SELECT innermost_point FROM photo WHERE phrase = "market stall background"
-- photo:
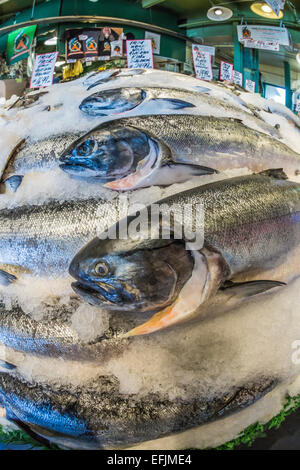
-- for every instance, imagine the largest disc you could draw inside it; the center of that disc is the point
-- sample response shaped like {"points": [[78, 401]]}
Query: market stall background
{"points": [[276, 73]]}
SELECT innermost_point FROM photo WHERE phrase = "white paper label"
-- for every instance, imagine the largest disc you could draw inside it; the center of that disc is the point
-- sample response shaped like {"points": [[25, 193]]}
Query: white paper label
{"points": [[43, 70], [202, 64], [250, 86], [226, 71], [237, 78], [155, 38], [139, 54], [116, 48]]}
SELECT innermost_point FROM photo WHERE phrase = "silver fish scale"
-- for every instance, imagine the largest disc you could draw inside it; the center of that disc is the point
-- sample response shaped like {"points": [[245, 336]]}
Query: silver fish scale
{"points": [[44, 239], [202, 98], [98, 414], [252, 221], [54, 335], [191, 138], [38, 156]]}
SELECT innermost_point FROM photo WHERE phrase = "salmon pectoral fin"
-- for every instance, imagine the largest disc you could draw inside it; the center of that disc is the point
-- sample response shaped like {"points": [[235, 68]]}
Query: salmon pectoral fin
{"points": [[276, 173], [159, 321], [247, 289], [9, 273], [172, 103], [6, 278], [7, 365], [201, 285], [13, 182], [173, 172]]}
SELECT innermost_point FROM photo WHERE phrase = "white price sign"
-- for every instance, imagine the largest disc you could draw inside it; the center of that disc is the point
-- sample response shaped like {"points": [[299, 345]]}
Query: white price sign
{"points": [[226, 71], [250, 86], [43, 70], [202, 64], [139, 54], [237, 78]]}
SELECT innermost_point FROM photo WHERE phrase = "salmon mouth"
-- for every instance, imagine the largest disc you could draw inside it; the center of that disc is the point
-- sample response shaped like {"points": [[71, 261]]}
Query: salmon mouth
{"points": [[89, 294], [108, 296]]}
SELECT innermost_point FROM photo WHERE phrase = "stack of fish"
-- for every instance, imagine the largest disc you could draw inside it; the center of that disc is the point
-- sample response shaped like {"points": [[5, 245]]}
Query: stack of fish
{"points": [[187, 138]]}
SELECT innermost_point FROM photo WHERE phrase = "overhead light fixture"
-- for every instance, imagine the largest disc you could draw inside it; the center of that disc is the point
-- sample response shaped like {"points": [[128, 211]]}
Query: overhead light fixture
{"points": [[219, 13], [266, 9], [263, 9], [94, 1], [298, 57], [51, 41]]}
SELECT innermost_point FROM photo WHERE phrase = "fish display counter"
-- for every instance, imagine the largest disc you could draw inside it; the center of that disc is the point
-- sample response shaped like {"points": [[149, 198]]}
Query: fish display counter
{"points": [[149, 261]]}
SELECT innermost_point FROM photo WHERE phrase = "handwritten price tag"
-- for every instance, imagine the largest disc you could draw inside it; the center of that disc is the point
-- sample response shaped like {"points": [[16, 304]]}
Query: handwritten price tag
{"points": [[43, 70], [250, 86], [202, 63], [237, 78], [226, 71], [139, 54]]}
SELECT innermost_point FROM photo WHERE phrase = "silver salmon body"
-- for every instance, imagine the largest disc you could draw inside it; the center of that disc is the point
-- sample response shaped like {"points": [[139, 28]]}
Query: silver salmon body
{"points": [[42, 239], [97, 415], [30, 156], [55, 336], [159, 100], [251, 226], [163, 149]]}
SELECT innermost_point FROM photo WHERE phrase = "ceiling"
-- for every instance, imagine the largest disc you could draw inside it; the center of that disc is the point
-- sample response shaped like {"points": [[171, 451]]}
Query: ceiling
{"points": [[190, 6], [10, 7]]}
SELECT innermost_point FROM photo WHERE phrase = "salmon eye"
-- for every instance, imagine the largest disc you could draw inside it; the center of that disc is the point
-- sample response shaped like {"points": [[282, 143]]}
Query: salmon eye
{"points": [[87, 147], [101, 269]]}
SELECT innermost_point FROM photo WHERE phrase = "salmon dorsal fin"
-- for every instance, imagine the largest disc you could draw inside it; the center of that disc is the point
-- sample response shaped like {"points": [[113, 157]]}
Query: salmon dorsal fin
{"points": [[276, 173]]}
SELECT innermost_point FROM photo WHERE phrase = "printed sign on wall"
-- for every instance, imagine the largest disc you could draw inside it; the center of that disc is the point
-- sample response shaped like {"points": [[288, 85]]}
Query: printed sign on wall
{"points": [[237, 78], [19, 43], [139, 54], [272, 34], [43, 70], [155, 38], [202, 63], [106, 37], [92, 43], [250, 86], [116, 48], [226, 71]]}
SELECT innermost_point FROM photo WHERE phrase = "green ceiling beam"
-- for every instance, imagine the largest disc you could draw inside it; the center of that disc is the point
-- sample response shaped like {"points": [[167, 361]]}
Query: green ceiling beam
{"points": [[199, 22], [151, 3], [213, 29]]}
